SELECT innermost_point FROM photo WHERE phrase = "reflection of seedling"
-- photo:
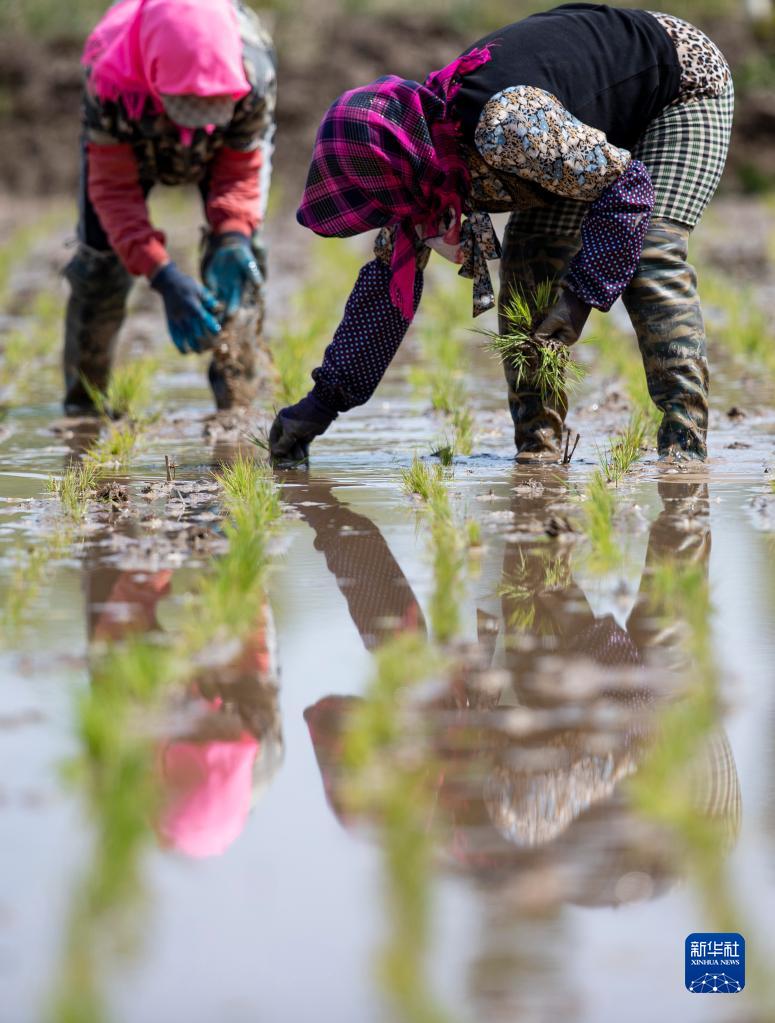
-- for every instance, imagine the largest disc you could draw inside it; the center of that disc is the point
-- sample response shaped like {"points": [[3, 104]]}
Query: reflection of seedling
{"points": [[598, 517], [128, 392], [546, 366], [541, 571], [390, 784]]}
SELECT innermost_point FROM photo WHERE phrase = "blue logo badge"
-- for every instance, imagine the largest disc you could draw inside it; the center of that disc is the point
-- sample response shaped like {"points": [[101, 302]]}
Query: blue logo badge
{"points": [[715, 964]]}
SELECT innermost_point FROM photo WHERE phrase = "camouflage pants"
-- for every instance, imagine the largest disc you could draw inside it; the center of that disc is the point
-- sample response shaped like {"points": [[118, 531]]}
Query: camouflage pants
{"points": [[664, 309], [99, 287]]}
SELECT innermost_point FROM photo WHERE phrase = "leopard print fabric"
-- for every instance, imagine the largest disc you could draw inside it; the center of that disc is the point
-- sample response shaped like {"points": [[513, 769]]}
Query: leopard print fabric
{"points": [[527, 132], [704, 71]]}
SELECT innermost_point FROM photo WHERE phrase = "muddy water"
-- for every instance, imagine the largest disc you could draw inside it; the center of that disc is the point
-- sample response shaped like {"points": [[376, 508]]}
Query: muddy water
{"points": [[550, 894]]}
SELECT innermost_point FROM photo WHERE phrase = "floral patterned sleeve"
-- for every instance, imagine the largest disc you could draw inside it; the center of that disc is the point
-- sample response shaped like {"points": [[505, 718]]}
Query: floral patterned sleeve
{"points": [[528, 132]]}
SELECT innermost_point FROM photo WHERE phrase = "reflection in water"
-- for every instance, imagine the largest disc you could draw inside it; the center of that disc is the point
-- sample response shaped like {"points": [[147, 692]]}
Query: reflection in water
{"points": [[379, 598], [223, 740], [178, 733], [521, 784]]}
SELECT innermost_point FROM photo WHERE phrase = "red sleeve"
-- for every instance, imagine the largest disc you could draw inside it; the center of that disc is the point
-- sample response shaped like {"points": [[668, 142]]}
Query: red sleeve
{"points": [[233, 203], [115, 192]]}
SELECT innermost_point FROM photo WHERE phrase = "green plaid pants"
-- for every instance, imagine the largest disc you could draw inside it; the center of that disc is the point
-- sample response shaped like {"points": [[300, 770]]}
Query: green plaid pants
{"points": [[685, 150]]}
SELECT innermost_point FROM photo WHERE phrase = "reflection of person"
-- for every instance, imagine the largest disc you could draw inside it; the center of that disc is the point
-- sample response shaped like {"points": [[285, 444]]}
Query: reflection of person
{"points": [[223, 742], [379, 598], [177, 91], [543, 789], [603, 131], [226, 751]]}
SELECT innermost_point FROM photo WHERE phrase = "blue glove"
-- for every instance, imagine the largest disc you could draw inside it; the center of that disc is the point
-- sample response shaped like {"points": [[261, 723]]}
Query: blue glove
{"points": [[232, 269], [189, 308]]}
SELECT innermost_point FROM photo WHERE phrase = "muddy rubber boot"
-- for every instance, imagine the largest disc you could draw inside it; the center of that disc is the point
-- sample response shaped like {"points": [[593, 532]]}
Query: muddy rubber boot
{"points": [[533, 254], [538, 427], [99, 286], [242, 366], [664, 308]]}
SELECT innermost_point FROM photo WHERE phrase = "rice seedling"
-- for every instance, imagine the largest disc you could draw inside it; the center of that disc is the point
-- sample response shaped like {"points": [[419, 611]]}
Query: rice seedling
{"points": [[249, 487], [463, 427], [74, 488], [445, 452], [546, 365], [115, 449], [624, 451], [423, 480], [128, 392], [473, 533]]}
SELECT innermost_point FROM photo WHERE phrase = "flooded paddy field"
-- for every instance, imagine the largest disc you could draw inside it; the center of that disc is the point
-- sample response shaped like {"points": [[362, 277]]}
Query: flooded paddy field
{"points": [[384, 738]]}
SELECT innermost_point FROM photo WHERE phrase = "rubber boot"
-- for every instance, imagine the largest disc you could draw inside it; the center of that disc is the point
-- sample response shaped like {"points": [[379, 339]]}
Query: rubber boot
{"points": [[99, 286], [529, 257], [664, 309]]}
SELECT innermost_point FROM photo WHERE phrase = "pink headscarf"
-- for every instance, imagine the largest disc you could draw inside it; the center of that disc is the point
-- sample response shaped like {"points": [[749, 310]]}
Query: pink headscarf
{"points": [[143, 49]]}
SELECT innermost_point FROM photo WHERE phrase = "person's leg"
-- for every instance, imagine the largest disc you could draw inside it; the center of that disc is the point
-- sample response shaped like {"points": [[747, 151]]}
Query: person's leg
{"points": [[664, 308], [684, 149], [536, 247], [99, 286]]}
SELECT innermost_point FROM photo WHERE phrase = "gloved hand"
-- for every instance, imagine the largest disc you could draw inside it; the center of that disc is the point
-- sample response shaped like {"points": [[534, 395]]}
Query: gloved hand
{"points": [[232, 268], [189, 308], [565, 320], [295, 427]]}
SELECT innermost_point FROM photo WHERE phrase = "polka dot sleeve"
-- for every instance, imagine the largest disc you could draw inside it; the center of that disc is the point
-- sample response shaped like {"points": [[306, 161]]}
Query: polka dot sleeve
{"points": [[612, 235], [365, 341]]}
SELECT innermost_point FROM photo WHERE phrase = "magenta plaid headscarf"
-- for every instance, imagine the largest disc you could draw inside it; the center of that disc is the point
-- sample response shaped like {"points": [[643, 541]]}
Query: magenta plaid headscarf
{"points": [[385, 154]]}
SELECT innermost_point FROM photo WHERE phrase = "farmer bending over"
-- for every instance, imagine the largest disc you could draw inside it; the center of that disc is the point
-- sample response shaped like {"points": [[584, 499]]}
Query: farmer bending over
{"points": [[176, 91], [602, 131]]}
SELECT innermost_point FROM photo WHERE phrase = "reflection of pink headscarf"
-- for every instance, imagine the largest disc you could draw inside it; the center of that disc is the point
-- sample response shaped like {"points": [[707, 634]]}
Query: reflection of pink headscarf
{"points": [[211, 787], [143, 49]]}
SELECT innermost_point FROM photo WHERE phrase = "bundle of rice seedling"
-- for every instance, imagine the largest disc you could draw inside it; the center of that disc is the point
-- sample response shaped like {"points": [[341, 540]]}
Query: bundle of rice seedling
{"points": [[544, 364]]}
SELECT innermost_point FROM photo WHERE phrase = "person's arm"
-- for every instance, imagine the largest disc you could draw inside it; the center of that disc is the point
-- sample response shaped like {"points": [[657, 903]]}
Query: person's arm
{"points": [[355, 361], [117, 196], [526, 131], [234, 196]]}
